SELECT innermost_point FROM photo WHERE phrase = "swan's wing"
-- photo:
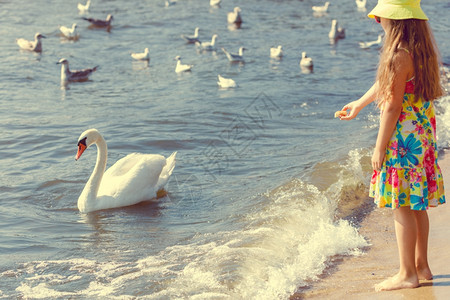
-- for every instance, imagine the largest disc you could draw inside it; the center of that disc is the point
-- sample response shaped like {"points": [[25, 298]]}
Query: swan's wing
{"points": [[166, 171], [133, 178]]}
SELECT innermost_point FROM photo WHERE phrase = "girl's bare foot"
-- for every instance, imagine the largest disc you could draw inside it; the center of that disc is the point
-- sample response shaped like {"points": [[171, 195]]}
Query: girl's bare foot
{"points": [[397, 282], [424, 274]]}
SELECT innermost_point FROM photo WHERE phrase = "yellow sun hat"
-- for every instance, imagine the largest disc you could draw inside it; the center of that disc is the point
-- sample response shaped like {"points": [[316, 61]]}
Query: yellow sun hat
{"points": [[398, 10]]}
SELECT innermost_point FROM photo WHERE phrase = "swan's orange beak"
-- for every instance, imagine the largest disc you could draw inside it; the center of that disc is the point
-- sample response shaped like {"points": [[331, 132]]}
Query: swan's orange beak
{"points": [[81, 148]]}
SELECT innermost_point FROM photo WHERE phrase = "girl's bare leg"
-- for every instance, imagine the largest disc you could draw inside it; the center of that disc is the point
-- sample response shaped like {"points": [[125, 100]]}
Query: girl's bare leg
{"points": [[406, 233], [423, 227]]}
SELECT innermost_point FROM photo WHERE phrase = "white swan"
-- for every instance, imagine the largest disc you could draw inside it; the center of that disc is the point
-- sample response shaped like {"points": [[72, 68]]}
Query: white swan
{"points": [[225, 82], [234, 16], [141, 56], [306, 62], [235, 57], [335, 31], [192, 38], [208, 46], [35, 45], [365, 45], [70, 33], [180, 67], [321, 9], [135, 178], [276, 52]]}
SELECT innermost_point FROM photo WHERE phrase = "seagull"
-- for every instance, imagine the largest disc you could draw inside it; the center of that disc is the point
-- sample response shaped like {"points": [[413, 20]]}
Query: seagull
{"points": [[170, 3], [35, 45], [100, 23], [361, 4], [226, 82], [321, 9], [78, 75], [180, 67], [192, 38], [214, 2], [85, 7], [306, 62], [234, 16], [141, 56], [335, 31], [366, 45], [235, 57], [69, 33], [208, 46], [276, 52]]}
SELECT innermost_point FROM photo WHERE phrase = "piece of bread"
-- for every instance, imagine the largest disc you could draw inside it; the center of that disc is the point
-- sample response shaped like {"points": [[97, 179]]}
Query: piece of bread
{"points": [[340, 113]]}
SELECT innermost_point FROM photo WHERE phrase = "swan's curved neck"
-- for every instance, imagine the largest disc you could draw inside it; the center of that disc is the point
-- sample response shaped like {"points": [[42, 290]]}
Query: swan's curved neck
{"points": [[90, 190]]}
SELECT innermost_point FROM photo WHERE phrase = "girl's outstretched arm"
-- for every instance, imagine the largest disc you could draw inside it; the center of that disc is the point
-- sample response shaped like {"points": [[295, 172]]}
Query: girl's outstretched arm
{"points": [[356, 106], [392, 107]]}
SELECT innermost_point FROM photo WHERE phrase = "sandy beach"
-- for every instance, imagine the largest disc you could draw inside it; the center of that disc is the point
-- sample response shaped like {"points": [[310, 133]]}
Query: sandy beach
{"points": [[355, 277]]}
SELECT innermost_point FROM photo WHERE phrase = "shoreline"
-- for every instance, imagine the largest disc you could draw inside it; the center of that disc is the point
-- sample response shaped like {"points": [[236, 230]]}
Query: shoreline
{"points": [[355, 276]]}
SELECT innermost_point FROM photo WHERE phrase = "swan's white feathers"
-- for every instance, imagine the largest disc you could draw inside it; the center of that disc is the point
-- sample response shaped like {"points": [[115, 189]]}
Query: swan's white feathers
{"points": [[166, 171], [135, 178], [132, 176]]}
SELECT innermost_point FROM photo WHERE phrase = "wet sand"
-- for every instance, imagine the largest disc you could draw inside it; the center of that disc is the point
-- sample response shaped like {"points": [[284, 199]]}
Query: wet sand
{"points": [[355, 277]]}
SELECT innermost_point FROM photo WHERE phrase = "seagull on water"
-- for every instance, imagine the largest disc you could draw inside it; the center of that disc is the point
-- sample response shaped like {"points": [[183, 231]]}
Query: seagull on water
{"points": [[77, 75], [69, 33], [377, 42], [235, 57], [214, 2], [208, 46], [306, 62], [192, 38], [169, 3], [35, 45], [84, 7], [225, 82], [100, 23], [335, 31], [180, 67], [276, 52], [321, 9], [361, 4], [141, 56], [234, 16]]}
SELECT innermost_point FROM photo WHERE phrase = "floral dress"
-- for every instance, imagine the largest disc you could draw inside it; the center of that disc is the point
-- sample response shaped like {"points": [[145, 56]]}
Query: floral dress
{"points": [[410, 175]]}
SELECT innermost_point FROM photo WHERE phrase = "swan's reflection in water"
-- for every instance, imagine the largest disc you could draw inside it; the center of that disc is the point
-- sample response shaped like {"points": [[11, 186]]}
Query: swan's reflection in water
{"points": [[112, 228]]}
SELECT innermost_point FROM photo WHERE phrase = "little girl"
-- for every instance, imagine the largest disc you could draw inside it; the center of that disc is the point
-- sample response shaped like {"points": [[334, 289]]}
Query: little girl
{"points": [[406, 175]]}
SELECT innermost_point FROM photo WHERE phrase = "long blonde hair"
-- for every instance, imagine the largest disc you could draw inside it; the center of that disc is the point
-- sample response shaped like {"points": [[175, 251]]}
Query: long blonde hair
{"points": [[418, 37]]}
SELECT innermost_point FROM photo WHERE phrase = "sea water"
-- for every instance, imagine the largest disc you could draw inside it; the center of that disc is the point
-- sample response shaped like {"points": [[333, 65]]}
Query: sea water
{"points": [[268, 188]]}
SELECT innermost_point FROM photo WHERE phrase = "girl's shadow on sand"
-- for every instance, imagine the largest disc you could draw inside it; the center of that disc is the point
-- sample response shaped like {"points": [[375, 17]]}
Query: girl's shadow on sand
{"points": [[436, 281]]}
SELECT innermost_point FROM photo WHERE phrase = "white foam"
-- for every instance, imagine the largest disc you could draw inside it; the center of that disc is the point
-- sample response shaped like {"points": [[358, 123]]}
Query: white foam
{"points": [[443, 122], [40, 291], [286, 240]]}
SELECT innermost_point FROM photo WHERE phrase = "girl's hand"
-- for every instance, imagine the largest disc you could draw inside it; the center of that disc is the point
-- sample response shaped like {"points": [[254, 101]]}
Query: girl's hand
{"points": [[377, 159], [354, 108]]}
